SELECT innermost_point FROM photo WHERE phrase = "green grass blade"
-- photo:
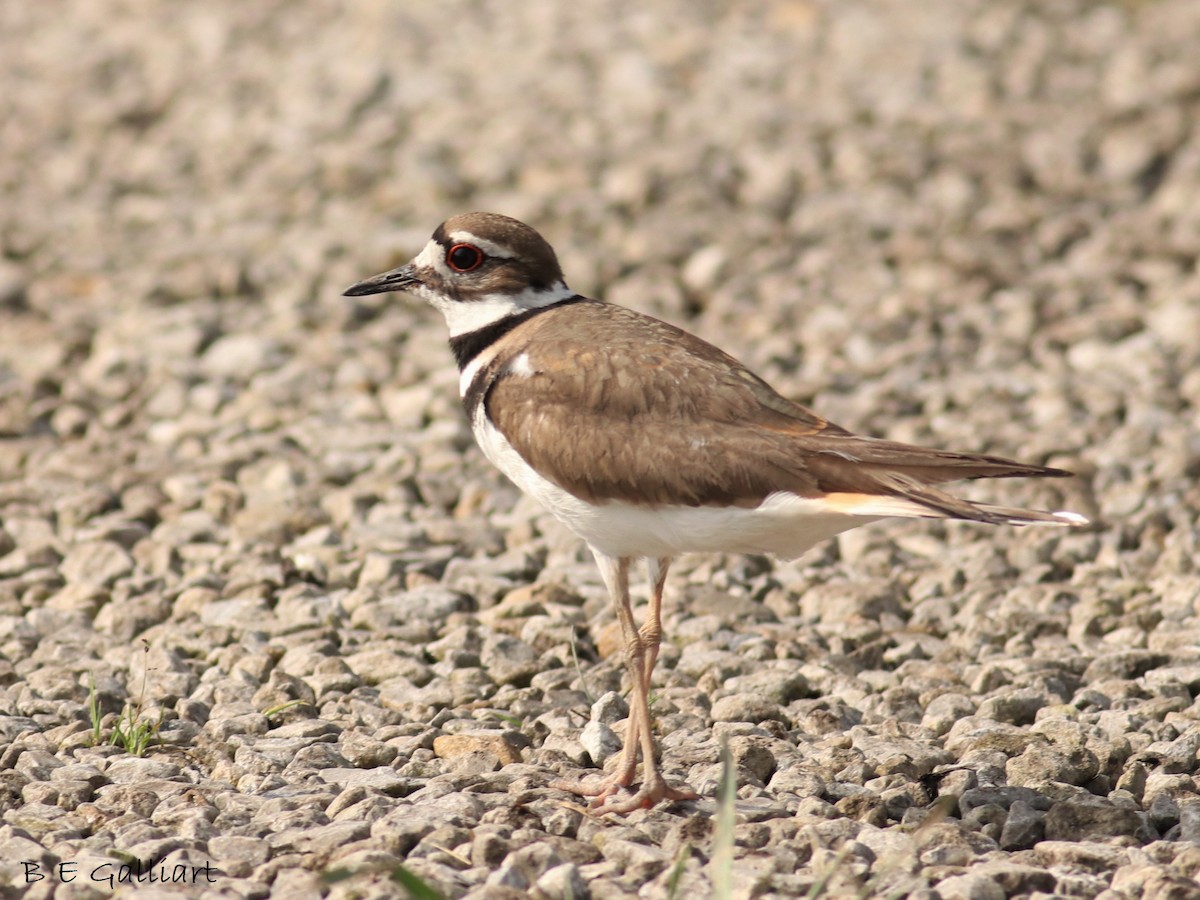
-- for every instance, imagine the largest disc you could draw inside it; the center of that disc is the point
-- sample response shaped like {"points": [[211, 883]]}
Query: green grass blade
{"points": [[677, 870], [722, 857], [416, 886]]}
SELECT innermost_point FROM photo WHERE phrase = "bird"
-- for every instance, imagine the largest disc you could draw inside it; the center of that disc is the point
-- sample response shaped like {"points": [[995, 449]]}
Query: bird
{"points": [[648, 442]]}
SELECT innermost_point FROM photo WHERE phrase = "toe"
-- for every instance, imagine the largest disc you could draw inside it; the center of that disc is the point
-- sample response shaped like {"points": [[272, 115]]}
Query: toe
{"points": [[649, 795]]}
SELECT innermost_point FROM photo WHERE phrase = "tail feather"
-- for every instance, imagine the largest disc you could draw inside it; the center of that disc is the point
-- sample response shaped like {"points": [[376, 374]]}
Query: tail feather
{"points": [[931, 503], [881, 458], [1013, 516]]}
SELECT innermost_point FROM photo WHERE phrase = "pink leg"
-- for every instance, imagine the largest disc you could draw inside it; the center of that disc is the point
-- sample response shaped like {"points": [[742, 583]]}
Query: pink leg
{"points": [[641, 653]]}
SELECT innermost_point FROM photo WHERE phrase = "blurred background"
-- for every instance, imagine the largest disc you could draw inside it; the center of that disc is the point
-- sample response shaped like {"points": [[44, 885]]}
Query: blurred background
{"points": [[973, 223], [836, 190]]}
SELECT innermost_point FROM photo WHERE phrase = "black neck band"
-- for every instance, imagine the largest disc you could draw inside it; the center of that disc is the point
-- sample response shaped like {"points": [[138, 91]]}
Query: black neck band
{"points": [[467, 346]]}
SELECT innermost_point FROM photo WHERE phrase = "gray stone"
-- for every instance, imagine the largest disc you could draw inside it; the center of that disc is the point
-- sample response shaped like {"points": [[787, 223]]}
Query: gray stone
{"points": [[1023, 827], [1018, 707], [944, 710], [508, 876], [1091, 818], [1189, 821], [746, 708], [563, 882], [96, 563], [240, 356], [1124, 664], [1040, 765], [947, 844], [641, 862], [610, 709], [1017, 878], [779, 686], [971, 886], [138, 770], [509, 660], [384, 780], [600, 742]]}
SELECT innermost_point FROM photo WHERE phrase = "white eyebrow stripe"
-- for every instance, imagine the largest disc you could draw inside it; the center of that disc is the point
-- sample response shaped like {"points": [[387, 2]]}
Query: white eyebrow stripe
{"points": [[489, 248], [432, 258]]}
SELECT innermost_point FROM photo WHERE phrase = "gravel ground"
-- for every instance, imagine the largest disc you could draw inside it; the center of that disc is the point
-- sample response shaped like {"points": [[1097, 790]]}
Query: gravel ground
{"points": [[252, 507]]}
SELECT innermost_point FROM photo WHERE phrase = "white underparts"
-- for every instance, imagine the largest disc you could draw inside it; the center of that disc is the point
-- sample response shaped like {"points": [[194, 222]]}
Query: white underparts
{"points": [[784, 525]]}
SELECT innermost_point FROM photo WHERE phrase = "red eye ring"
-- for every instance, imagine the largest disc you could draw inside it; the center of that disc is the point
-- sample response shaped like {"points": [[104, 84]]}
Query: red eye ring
{"points": [[464, 257]]}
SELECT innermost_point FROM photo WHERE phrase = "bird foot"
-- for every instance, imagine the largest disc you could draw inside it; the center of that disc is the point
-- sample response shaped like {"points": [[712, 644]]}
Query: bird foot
{"points": [[598, 789], [650, 794], [602, 792]]}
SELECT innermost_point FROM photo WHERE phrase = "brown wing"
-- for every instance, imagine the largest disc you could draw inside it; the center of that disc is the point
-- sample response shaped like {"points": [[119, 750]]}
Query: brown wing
{"points": [[655, 416]]}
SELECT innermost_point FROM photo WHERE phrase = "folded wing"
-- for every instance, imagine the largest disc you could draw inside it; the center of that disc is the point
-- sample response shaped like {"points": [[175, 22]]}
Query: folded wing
{"points": [[666, 419]]}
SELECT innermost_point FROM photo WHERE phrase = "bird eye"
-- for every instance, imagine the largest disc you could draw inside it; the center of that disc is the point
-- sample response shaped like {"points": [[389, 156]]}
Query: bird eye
{"points": [[464, 257]]}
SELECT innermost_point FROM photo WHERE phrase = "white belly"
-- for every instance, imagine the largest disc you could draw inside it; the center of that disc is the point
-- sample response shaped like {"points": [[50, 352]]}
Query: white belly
{"points": [[784, 525]]}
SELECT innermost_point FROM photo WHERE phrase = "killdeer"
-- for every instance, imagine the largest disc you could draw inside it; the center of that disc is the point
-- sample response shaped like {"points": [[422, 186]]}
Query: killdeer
{"points": [[648, 442]]}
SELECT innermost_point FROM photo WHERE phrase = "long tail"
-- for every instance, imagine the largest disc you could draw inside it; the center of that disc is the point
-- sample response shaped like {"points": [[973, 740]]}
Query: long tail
{"points": [[871, 477], [1012, 516], [926, 502]]}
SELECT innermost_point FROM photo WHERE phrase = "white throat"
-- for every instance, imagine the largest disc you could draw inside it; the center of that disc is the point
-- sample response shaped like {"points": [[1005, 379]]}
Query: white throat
{"points": [[464, 316]]}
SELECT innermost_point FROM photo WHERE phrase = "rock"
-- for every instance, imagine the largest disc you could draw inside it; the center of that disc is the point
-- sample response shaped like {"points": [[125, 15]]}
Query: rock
{"points": [[944, 710], [600, 742], [970, 887], [894, 754], [610, 709], [1189, 821], [135, 770], [1015, 878], [510, 877], [976, 734], [13, 284], [240, 356], [455, 746], [563, 882], [1124, 664], [98, 563], [746, 708], [1040, 765], [642, 862], [1091, 818], [1024, 826], [754, 757], [1017, 707], [946, 844], [509, 660], [383, 780], [1152, 881], [775, 685]]}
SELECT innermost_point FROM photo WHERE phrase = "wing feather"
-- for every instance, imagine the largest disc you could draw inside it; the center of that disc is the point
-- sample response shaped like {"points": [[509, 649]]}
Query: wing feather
{"points": [[656, 416]]}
